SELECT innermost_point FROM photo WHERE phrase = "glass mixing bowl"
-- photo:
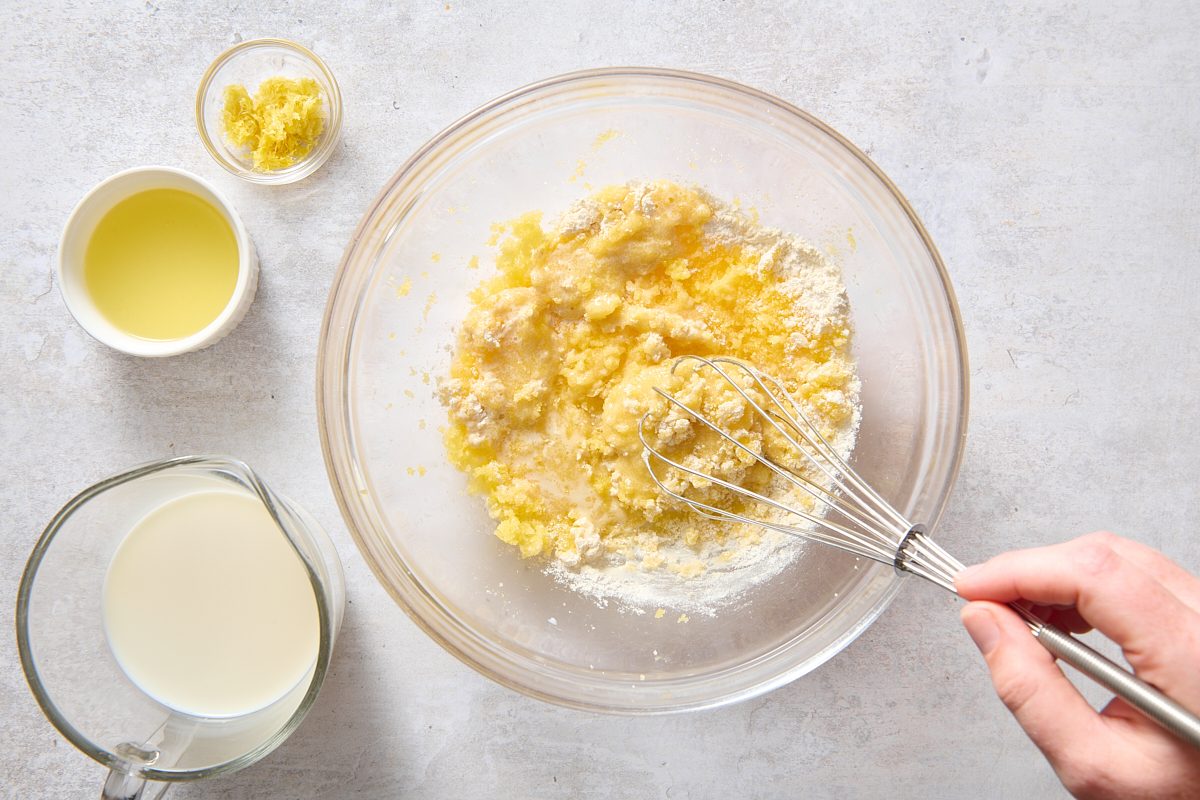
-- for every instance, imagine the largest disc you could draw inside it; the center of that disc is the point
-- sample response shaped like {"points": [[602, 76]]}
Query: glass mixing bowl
{"points": [[402, 288]]}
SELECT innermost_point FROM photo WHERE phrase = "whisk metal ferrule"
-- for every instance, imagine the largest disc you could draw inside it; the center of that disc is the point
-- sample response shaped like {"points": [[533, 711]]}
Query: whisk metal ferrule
{"points": [[904, 552]]}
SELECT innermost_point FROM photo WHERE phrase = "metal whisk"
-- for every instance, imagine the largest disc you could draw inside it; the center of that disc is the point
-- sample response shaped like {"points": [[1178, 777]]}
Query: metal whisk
{"points": [[858, 520]]}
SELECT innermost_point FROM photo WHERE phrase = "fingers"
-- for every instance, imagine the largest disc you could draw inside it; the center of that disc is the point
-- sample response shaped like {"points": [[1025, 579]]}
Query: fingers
{"points": [[1119, 753], [1047, 706], [1159, 633], [1175, 578], [1066, 619]]}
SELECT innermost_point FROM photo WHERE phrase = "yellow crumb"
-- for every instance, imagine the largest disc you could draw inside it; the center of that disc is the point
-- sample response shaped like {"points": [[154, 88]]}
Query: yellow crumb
{"points": [[409, 393], [652, 561], [404, 288], [411, 472], [421, 471], [690, 569], [429, 304], [435, 257], [660, 613], [580, 168], [683, 618], [605, 137], [421, 424], [473, 263]]}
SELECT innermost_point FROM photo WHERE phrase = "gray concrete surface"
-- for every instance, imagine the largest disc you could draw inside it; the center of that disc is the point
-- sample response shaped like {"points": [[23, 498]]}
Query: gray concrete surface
{"points": [[1051, 150]]}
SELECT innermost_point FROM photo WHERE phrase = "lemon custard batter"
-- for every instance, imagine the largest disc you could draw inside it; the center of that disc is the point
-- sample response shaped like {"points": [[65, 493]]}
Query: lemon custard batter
{"points": [[556, 361]]}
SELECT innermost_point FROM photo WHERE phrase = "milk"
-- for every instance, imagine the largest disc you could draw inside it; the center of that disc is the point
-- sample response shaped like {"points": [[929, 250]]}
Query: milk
{"points": [[208, 608]]}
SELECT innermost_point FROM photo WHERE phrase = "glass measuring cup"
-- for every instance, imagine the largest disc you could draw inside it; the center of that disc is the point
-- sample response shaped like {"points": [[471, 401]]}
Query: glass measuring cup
{"points": [[73, 672]]}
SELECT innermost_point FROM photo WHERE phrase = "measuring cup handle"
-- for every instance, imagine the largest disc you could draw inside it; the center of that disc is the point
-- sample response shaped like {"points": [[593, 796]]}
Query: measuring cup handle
{"points": [[123, 786]]}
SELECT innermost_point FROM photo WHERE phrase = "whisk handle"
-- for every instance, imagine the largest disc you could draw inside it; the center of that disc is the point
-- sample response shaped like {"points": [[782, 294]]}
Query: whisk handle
{"points": [[1130, 688], [923, 557]]}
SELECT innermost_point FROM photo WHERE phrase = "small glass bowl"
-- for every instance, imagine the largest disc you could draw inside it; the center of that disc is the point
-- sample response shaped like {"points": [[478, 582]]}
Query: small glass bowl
{"points": [[250, 63]]}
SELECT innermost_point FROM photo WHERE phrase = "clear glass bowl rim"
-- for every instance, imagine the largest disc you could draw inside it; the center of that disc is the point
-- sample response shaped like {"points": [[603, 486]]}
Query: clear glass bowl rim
{"points": [[332, 366]]}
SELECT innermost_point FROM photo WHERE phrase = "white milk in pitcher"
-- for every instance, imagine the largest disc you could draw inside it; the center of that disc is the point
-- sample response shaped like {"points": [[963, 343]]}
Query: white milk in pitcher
{"points": [[208, 608]]}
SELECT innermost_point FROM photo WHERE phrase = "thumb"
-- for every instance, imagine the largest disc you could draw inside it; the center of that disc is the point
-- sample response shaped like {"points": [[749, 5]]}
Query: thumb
{"points": [[1027, 679]]}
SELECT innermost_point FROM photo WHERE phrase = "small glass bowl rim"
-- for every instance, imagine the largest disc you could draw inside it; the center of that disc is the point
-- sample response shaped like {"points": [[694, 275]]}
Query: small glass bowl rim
{"points": [[333, 121]]}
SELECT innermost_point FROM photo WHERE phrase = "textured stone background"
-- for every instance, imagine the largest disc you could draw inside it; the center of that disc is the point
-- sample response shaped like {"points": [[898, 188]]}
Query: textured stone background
{"points": [[1051, 150]]}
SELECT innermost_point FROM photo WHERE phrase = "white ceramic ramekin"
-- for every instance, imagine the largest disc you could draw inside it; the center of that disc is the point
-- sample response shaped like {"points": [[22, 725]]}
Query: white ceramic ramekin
{"points": [[82, 223]]}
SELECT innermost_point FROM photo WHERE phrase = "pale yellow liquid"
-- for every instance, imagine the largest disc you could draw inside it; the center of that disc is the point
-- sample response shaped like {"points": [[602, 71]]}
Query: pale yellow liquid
{"points": [[207, 607], [161, 264]]}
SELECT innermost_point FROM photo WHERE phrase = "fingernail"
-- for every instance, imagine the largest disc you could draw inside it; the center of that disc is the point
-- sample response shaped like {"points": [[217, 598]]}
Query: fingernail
{"points": [[982, 628]]}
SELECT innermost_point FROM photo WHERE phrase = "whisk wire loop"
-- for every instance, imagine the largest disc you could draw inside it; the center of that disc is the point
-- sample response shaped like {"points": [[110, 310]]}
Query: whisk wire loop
{"points": [[818, 492], [872, 526], [800, 423], [851, 541], [853, 518], [818, 452]]}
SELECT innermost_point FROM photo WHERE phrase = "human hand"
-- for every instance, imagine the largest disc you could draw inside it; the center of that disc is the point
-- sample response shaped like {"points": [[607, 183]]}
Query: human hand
{"points": [[1135, 596]]}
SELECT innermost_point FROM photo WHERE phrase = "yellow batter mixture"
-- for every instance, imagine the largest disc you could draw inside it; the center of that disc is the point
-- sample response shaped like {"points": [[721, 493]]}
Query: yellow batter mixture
{"points": [[556, 360]]}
